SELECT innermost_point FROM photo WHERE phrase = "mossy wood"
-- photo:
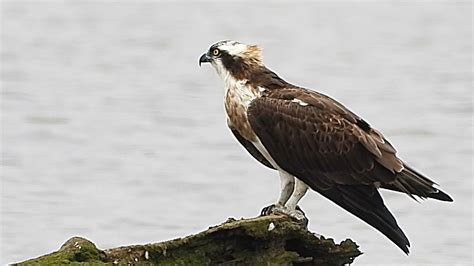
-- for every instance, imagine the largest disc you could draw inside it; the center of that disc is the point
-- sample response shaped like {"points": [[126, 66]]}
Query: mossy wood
{"points": [[264, 240]]}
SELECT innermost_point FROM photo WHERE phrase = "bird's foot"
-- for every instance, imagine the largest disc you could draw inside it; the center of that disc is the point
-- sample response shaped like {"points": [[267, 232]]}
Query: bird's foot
{"points": [[272, 209], [296, 214]]}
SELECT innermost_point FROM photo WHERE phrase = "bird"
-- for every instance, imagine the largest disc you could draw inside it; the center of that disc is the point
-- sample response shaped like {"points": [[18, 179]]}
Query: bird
{"points": [[313, 141]]}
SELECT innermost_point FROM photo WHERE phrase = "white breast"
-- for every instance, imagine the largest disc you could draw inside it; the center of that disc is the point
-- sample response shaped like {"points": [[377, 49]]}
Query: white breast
{"points": [[242, 92]]}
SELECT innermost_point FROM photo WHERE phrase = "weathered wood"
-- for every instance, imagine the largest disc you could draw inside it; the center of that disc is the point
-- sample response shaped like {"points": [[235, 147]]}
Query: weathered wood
{"points": [[262, 240]]}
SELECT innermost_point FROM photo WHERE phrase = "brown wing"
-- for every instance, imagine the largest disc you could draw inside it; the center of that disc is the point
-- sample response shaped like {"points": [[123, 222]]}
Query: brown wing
{"points": [[321, 143], [337, 121], [314, 134], [351, 150]]}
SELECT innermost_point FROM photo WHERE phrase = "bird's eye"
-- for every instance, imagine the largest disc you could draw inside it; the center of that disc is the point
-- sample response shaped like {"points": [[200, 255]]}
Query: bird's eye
{"points": [[216, 52]]}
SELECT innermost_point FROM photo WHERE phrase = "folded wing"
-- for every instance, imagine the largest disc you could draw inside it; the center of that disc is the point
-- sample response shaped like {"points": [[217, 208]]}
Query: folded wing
{"points": [[333, 151]]}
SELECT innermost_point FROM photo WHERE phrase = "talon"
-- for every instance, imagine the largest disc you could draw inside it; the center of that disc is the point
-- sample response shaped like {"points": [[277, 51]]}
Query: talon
{"points": [[267, 210], [273, 209], [301, 210]]}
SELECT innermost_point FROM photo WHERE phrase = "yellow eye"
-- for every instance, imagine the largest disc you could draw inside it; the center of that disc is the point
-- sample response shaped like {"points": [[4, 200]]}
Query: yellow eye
{"points": [[215, 52]]}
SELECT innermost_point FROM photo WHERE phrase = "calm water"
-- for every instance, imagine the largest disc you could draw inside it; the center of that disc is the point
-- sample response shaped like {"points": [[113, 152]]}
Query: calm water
{"points": [[111, 131]]}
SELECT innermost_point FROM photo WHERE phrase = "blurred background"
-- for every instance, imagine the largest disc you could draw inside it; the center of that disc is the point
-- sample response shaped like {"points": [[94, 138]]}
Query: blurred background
{"points": [[111, 131]]}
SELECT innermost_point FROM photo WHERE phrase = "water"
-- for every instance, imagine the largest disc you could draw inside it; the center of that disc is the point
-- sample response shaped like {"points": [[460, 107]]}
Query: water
{"points": [[111, 131]]}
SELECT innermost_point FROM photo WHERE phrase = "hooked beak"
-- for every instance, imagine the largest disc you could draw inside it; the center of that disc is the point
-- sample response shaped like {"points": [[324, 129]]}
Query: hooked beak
{"points": [[204, 59]]}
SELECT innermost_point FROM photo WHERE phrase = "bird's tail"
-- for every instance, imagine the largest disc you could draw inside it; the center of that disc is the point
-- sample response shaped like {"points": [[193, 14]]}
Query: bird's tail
{"points": [[366, 203], [413, 183]]}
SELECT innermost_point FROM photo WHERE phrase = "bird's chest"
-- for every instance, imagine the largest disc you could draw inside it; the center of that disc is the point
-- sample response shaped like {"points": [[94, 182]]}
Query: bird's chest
{"points": [[238, 97]]}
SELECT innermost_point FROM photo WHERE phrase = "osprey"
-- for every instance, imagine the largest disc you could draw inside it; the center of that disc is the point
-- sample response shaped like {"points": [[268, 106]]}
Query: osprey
{"points": [[313, 141]]}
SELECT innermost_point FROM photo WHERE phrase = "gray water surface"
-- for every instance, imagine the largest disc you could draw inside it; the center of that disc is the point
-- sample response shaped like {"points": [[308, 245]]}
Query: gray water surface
{"points": [[111, 131]]}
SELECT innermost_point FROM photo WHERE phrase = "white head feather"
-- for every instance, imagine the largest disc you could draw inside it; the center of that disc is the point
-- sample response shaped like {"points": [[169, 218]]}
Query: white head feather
{"points": [[232, 47]]}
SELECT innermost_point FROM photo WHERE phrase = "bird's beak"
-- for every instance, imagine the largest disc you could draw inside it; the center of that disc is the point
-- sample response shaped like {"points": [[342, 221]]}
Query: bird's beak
{"points": [[204, 59]]}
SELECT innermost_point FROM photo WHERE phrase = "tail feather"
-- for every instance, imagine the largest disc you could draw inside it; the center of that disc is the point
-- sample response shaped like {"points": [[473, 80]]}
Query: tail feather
{"points": [[413, 184], [366, 203]]}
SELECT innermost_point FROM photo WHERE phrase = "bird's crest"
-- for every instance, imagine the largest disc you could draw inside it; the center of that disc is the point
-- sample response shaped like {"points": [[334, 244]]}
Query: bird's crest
{"points": [[245, 51], [254, 52]]}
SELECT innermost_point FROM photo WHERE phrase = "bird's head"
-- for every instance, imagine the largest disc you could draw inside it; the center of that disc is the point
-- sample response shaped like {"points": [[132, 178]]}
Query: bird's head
{"points": [[234, 58]]}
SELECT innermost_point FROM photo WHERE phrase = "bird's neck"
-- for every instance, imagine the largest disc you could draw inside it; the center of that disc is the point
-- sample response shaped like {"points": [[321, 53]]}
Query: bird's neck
{"points": [[240, 91], [239, 94], [259, 77]]}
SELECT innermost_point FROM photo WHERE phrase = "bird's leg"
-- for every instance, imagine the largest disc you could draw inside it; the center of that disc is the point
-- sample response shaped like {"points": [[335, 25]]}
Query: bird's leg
{"points": [[287, 187], [298, 193], [290, 207], [292, 204]]}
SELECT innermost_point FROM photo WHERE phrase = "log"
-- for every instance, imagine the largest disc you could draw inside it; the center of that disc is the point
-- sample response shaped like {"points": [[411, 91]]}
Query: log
{"points": [[263, 240]]}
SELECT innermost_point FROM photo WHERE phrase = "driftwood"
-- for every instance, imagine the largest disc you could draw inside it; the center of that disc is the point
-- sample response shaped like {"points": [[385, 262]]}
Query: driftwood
{"points": [[265, 240]]}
